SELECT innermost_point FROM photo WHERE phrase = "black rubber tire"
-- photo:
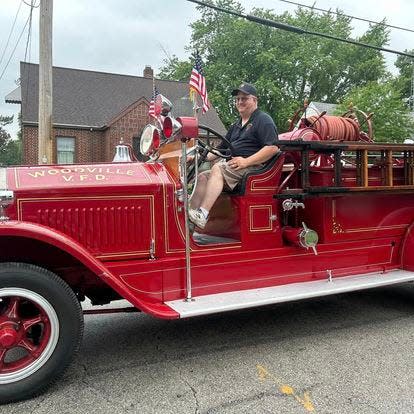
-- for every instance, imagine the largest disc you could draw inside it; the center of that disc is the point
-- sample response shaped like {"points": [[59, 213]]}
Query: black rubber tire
{"points": [[63, 300]]}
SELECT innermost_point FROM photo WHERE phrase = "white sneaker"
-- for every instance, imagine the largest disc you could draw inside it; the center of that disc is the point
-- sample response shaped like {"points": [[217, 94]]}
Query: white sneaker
{"points": [[197, 217]]}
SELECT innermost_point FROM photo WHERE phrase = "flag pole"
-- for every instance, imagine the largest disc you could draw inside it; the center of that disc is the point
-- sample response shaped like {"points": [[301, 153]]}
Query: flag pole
{"points": [[198, 86], [193, 99], [153, 96]]}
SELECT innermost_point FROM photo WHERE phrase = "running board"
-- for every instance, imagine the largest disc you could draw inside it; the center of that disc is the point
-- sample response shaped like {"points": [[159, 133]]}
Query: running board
{"points": [[242, 299]]}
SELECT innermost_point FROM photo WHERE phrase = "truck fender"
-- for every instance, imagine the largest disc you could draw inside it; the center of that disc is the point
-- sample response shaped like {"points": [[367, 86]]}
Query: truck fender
{"points": [[72, 247], [407, 249]]}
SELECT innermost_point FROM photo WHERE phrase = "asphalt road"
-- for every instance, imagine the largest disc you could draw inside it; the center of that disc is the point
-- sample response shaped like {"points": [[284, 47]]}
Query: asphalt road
{"points": [[352, 353]]}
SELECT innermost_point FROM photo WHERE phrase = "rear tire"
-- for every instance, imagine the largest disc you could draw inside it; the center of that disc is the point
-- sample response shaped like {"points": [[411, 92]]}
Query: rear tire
{"points": [[41, 326]]}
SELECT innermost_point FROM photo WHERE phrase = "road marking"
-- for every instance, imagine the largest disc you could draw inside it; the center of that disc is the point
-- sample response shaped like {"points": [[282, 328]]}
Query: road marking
{"points": [[304, 400]]}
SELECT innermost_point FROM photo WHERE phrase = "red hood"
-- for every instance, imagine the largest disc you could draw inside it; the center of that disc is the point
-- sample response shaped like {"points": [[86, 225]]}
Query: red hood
{"points": [[68, 177]]}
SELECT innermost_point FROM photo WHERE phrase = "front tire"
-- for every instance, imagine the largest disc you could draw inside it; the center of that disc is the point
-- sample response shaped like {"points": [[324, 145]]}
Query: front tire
{"points": [[41, 326]]}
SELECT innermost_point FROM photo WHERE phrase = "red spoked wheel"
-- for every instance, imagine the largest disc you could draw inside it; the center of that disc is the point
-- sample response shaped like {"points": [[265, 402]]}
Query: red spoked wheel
{"points": [[29, 330], [41, 326]]}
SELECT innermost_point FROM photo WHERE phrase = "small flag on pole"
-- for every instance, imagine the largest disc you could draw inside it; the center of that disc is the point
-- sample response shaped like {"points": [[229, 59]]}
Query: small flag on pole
{"points": [[198, 83], [151, 109]]}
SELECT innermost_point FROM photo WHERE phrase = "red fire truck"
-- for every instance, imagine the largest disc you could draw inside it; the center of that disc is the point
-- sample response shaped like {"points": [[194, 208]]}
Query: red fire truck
{"points": [[332, 212]]}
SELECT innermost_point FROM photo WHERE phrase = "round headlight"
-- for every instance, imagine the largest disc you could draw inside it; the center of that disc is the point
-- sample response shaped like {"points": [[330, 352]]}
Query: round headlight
{"points": [[150, 140]]}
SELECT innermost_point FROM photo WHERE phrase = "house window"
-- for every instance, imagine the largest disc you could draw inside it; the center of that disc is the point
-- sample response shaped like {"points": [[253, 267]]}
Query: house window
{"points": [[65, 150]]}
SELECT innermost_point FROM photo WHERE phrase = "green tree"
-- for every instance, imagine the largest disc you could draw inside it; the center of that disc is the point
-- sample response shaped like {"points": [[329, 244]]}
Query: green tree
{"points": [[175, 69], [391, 119], [404, 80], [285, 67], [10, 150]]}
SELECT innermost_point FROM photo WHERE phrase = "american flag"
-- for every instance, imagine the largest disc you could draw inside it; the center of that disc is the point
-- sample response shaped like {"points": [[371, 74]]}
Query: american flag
{"points": [[151, 109], [198, 82]]}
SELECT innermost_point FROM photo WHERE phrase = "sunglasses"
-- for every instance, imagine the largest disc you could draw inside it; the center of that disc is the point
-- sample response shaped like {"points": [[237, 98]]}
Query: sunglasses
{"points": [[242, 98]]}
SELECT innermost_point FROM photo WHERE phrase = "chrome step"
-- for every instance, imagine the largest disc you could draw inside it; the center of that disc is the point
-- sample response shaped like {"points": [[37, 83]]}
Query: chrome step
{"points": [[242, 299]]}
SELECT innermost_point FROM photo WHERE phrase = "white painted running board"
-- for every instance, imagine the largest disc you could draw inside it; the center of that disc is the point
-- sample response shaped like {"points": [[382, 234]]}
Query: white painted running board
{"points": [[222, 302]]}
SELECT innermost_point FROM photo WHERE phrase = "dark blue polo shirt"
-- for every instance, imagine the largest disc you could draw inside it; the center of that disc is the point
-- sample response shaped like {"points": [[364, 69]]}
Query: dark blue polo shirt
{"points": [[257, 132]]}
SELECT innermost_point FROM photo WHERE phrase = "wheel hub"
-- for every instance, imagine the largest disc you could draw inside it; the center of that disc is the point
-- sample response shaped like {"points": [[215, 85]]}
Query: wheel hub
{"points": [[8, 337]]}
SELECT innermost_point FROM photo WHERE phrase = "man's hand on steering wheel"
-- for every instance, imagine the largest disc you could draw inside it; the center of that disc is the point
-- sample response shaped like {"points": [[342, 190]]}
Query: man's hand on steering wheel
{"points": [[205, 147]]}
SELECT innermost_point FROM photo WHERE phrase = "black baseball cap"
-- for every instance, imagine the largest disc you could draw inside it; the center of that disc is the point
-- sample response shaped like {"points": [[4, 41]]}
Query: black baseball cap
{"points": [[247, 88]]}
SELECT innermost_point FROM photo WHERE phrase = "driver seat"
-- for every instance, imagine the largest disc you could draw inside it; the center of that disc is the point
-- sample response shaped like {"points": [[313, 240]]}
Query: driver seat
{"points": [[263, 179]]}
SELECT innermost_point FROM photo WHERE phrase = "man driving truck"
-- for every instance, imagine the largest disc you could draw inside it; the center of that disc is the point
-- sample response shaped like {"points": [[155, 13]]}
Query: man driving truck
{"points": [[254, 141]]}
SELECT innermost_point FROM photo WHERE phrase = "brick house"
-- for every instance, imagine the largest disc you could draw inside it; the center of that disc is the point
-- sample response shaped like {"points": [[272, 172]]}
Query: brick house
{"points": [[92, 111]]}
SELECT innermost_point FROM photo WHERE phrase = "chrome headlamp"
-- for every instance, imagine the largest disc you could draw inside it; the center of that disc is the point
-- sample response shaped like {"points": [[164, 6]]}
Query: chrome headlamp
{"points": [[150, 141]]}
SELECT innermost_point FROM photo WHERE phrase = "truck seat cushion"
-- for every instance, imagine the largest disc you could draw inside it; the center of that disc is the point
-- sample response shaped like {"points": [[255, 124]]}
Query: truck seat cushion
{"points": [[232, 177]]}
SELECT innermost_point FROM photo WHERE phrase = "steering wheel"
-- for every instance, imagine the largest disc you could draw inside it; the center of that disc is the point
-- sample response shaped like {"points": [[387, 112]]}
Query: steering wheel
{"points": [[222, 149], [295, 118]]}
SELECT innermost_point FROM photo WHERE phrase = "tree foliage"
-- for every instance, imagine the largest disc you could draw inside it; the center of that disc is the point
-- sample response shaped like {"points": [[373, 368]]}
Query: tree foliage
{"points": [[175, 69], [10, 150], [405, 66], [285, 67], [391, 120], [4, 135]]}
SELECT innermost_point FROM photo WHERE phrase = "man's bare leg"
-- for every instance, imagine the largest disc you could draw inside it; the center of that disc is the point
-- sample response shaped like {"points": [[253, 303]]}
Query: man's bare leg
{"points": [[199, 191], [214, 188]]}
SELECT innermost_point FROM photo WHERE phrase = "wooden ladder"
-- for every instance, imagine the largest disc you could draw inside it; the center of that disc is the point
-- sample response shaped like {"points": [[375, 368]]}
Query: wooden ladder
{"points": [[391, 156]]}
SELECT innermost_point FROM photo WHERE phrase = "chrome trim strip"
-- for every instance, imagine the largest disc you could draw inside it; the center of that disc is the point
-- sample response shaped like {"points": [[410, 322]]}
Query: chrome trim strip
{"points": [[3, 179], [222, 302]]}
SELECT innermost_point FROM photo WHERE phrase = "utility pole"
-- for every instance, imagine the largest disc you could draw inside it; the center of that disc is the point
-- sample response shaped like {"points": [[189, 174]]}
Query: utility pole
{"points": [[45, 82]]}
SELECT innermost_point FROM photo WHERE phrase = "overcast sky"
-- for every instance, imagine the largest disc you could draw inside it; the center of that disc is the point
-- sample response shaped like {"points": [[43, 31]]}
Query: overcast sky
{"points": [[122, 36]]}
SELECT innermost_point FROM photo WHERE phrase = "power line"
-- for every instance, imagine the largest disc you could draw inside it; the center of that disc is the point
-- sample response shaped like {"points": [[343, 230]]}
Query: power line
{"points": [[28, 21], [32, 5], [294, 29], [347, 15], [169, 58], [15, 47], [11, 31], [29, 32], [29, 46]]}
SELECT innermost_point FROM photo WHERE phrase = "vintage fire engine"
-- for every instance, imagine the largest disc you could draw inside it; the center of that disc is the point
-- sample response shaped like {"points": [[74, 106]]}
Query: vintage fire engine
{"points": [[332, 212]]}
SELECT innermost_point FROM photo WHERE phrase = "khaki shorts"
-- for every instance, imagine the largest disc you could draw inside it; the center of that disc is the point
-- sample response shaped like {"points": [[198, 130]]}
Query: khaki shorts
{"points": [[231, 177]]}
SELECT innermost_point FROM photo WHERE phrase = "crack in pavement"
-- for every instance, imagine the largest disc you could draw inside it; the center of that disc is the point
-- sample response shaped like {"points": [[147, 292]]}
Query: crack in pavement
{"points": [[197, 408], [38, 404], [193, 390], [248, 399], [102, 394]]}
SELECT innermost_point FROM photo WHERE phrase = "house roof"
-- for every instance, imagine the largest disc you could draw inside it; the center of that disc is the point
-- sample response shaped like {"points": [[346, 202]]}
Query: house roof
{"points": [[14, 96], [92, 99], [324, 106]]}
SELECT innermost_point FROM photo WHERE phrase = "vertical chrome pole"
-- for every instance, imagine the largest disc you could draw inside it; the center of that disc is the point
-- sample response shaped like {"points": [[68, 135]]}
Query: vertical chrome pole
{"points": [[187, 227]]}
